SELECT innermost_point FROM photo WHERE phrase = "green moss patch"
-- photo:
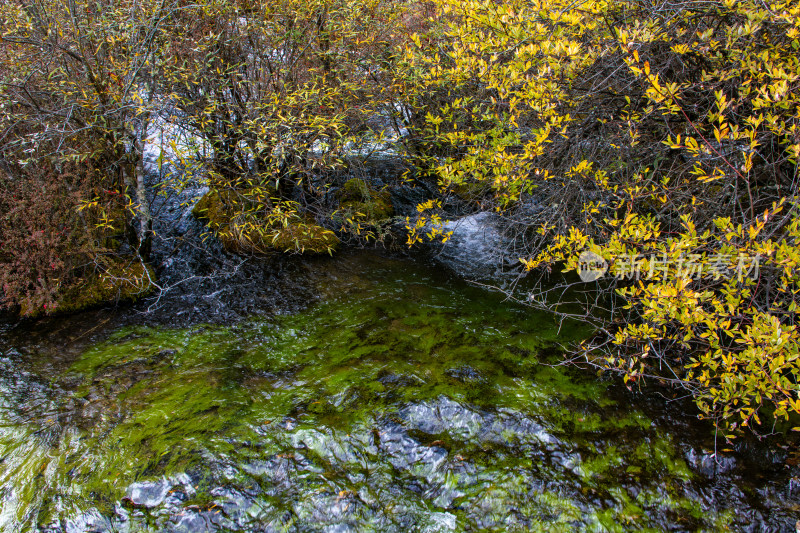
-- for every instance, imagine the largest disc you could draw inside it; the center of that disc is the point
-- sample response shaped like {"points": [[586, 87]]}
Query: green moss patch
{"points": [[360, 201], [243, 227], [124, 279]]}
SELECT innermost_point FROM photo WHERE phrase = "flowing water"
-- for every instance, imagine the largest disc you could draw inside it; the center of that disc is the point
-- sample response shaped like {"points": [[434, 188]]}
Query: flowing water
{"points": [[403, 400]]}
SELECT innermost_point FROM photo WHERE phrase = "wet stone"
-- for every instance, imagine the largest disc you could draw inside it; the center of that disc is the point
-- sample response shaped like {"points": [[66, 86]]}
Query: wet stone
{"points": [[408, 454], [466, 374], [326, 445], [339, 528], [512, 428], [390, 379], [147, 494], [709, 464], [570, 461], [191, 522], [442, 521], [444, 415], [91, 521]]}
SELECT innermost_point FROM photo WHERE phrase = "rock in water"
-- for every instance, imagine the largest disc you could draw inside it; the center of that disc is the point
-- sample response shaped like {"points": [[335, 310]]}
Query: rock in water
{"points": [[148, 494], [477, 247]]}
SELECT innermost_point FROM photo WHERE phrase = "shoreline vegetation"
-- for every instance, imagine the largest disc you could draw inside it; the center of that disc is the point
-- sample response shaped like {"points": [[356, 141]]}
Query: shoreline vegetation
{"points": [[661, 138]]}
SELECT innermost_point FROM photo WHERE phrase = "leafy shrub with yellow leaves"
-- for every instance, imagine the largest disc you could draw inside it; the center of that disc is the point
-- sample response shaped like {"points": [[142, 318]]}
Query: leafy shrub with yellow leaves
{"points": [[278, 92], [662, 137]]}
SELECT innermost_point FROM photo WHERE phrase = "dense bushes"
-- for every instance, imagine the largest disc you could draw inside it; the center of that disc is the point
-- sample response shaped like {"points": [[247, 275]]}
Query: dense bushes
{"points": [[73, 83], [662, 137], [278, 93], [273, 91]]}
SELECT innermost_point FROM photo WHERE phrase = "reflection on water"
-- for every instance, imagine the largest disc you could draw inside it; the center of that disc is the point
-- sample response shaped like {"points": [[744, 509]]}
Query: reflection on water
{"points": [[404, 401]]}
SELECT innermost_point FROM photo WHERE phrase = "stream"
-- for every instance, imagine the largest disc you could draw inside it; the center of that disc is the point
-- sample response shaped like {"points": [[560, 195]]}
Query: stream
{"points": [[398, 398]]}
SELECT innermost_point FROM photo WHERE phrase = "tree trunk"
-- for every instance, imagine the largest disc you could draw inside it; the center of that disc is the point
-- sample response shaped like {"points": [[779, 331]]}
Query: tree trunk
{"points": [[145, 229], [141, 227]]}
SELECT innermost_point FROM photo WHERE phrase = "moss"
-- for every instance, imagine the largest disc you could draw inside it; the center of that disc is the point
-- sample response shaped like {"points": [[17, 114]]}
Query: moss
{"points": [[298, 236], [373, 211], [393, 346], [303, 236], [215, 207], [358, 197], [355, 189], [249, 234], [123, 280]]}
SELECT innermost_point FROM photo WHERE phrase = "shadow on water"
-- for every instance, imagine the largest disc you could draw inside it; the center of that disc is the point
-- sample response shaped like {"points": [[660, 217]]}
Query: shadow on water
{"points": [[399, 399]]}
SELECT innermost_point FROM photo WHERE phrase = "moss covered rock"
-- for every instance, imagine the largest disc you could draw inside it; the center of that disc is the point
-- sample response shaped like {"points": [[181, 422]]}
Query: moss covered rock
{"points": [[305, 237], [357, 198], [244, 228], [124, 279]]}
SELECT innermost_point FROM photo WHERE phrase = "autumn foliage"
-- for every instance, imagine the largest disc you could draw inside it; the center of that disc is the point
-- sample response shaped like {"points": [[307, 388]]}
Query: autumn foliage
{"points": [[661, 136]]}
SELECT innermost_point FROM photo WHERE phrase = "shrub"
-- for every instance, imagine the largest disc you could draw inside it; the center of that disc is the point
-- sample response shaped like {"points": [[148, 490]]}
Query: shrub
{"points": [[75, 89], [659, 137]]}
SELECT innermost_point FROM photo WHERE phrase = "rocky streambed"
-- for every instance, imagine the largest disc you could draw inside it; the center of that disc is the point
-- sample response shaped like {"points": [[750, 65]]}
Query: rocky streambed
{"points": [[375, 394]]}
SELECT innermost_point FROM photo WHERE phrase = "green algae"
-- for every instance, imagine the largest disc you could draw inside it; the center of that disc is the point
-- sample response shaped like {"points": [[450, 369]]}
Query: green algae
{"points": [[327, 384]]}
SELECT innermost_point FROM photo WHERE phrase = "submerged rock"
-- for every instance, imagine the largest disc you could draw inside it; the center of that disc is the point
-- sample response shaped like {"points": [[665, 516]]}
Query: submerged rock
{"points": [[148, 493], [90, 521], [466, 374]]}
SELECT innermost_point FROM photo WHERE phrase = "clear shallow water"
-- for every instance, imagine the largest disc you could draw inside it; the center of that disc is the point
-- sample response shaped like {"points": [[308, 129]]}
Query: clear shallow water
{"points": [[402, 401]]}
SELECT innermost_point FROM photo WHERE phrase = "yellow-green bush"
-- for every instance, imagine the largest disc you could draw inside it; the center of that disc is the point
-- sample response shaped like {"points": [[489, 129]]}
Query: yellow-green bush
{"points": [[669, 134], [279, 130]]}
